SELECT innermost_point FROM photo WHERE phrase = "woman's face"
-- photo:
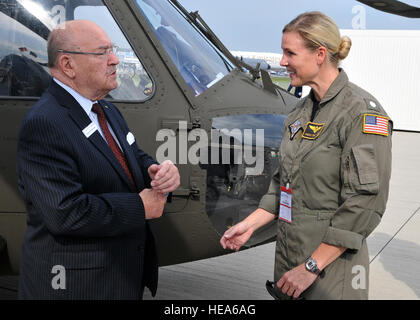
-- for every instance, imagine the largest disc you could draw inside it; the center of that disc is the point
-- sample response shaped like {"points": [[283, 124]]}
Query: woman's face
{"points": [[301, 63]]}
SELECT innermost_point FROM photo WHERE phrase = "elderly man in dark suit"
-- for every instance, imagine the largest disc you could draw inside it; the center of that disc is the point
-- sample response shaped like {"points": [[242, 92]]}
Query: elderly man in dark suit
{"points": [[88, 189]]}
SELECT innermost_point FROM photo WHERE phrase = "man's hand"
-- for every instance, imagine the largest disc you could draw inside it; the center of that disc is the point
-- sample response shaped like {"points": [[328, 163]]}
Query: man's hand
{"points": [[295, 281], [153, 203], [165, 177]]}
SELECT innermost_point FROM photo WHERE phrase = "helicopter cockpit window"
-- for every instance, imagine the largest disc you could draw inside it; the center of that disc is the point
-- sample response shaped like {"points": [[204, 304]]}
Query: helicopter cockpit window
{"points": [[23, 51], [25, 26], [242, 159], [200, 64]]}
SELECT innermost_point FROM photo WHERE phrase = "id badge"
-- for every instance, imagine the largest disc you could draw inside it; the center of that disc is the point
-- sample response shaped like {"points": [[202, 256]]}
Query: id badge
{"points": [[286, 204]]}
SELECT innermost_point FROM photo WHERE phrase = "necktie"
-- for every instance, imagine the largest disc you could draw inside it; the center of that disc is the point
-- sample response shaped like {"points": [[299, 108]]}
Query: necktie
{"points": [[110, 139]]}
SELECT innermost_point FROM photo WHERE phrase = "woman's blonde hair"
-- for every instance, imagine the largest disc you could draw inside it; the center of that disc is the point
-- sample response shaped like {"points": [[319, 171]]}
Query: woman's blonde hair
{"points": [[316, 30]]}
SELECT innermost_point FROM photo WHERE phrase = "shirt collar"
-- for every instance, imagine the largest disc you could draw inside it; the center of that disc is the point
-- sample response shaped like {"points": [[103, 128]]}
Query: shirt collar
{"points": [[84, 102]]}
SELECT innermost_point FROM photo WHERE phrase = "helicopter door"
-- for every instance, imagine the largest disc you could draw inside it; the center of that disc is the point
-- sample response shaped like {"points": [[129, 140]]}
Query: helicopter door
{"points": [[244, 155]]}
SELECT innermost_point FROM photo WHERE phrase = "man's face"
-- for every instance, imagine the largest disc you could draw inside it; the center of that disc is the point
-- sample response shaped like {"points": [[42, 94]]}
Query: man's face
{"points": [[96, 74]]}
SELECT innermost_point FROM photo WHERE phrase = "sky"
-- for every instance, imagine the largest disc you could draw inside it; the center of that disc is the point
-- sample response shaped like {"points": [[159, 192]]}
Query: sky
{"points": [[251, 25]]}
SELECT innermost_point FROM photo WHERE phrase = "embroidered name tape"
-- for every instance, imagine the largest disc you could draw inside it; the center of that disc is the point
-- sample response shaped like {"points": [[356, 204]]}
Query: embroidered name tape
{"points": [[312, 130], [89, 130], [130, 138], [375, 124]]}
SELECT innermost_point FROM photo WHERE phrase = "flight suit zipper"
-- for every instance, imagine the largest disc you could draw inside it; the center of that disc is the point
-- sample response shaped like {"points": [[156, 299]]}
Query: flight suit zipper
{"points": [[347, 173]]}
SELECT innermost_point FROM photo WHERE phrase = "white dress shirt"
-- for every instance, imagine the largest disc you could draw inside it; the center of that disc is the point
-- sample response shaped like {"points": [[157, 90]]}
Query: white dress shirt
{"points": [[87, 107]]}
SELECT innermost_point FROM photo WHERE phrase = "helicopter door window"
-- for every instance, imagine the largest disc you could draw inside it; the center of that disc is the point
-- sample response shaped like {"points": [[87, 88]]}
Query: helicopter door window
{"points": [[200, 64], [26, 25], [134, 83], [243, 156]]}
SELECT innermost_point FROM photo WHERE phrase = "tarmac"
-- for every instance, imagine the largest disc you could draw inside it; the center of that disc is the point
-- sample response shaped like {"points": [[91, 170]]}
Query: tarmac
{"points": [[394, 249]]}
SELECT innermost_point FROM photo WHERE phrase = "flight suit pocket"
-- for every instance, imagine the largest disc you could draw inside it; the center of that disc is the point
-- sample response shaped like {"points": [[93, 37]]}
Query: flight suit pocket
{"points": [[361, 171]]}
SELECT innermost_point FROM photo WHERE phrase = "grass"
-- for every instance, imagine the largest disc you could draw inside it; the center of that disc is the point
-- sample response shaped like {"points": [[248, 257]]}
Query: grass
{"points": [[281, 81]]}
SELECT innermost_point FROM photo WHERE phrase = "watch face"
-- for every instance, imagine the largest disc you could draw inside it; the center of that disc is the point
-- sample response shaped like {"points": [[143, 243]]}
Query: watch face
{"points": [[311, 264]]}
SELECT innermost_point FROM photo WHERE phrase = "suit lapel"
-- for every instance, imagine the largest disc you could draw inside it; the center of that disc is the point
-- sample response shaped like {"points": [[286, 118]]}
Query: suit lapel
{"points": [[79, 116], [122, 139]]}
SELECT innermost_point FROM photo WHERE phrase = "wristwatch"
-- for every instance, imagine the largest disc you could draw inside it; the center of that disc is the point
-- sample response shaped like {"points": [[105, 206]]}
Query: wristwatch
{"points": [[312, 266]]}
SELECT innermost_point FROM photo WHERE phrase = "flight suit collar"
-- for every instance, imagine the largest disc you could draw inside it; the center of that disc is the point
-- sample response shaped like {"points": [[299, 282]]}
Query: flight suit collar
{"points": [[338, 84]]}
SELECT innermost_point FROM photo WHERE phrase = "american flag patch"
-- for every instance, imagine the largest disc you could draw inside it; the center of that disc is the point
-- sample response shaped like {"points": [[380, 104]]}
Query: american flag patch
{"points": [[375, 124]]}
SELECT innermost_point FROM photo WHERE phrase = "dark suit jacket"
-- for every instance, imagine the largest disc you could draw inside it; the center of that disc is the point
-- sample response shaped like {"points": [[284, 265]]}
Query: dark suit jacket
{"points": [[84, 213]]}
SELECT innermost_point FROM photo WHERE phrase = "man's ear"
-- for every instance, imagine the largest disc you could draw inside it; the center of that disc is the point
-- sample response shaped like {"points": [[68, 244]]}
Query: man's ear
{"points": [[66, 65], [322, 54]]}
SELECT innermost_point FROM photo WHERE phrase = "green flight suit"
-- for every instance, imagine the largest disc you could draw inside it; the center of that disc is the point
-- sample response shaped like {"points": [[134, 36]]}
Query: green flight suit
{"points": [[339, 177]]}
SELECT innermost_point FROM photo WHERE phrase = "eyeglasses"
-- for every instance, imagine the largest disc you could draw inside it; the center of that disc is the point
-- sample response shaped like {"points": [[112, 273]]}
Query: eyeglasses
{"points": [[106, 52]]}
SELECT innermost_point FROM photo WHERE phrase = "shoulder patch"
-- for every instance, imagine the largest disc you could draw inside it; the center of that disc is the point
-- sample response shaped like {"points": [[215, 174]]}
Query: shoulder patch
{"points": [[375, 124]]}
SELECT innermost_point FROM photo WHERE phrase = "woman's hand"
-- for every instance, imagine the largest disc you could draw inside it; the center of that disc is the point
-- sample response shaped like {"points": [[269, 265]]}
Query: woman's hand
{"points": [[236, 236], [295, 281]]}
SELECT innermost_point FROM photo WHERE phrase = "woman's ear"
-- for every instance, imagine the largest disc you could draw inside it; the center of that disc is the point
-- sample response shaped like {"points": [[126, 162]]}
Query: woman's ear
{"points": [[322, 54]]}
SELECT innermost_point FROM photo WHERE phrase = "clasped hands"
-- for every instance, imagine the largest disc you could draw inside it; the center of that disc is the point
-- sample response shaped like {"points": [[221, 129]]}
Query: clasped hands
{"points": [[165, 178]]}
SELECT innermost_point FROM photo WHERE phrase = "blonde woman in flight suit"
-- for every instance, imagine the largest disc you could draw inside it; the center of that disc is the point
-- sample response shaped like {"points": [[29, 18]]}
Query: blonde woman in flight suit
{"points": [[335, 166]]}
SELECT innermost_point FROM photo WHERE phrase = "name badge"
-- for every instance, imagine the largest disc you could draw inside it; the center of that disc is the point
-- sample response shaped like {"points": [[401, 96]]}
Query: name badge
{"points": [[285, 213], [89, 130], [130, 138]]}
